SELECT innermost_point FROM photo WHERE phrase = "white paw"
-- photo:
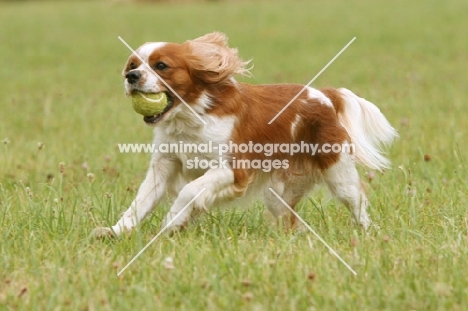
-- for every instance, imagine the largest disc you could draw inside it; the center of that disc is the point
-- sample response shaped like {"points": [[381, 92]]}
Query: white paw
{"points": [[102, 233], [375, 226], [174, 224], [365, 223], [172, 229]]}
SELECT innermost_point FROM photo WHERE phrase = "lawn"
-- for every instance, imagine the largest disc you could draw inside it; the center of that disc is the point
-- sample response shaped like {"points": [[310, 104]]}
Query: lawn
{"points": [[63, 112]]}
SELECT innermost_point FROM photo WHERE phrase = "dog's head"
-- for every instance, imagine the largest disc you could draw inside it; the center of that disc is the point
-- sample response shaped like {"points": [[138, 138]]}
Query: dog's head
{"points": [[185, 72]]}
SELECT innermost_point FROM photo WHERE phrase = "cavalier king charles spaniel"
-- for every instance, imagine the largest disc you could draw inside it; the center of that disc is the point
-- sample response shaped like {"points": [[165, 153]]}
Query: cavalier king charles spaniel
{"points": [[250, 148]]}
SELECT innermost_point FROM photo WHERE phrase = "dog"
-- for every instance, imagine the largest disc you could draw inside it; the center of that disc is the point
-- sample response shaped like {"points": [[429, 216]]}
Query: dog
{"points": [[207, 105]]}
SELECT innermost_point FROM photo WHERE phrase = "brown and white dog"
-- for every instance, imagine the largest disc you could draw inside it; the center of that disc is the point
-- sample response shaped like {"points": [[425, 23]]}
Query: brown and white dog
{"points": [[201, 73]]}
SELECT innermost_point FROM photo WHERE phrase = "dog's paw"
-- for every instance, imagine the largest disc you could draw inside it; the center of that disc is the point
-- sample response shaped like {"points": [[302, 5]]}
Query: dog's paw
{"points": [[172, 225], [102, 233], [374, 226], [365, 223], [171, 230]]}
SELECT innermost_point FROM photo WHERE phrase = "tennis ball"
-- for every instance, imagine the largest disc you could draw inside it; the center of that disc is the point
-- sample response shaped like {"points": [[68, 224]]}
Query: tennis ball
{"points": [[149, 104]]}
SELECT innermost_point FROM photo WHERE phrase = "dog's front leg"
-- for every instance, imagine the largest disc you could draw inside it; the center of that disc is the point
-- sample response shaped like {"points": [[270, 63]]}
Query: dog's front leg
{"points": [[161, 171], [215, 185]]}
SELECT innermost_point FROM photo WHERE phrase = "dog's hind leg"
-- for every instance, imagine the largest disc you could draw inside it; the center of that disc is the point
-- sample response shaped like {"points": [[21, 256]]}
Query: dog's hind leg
{"points": [[343, 181], [291, 190]]}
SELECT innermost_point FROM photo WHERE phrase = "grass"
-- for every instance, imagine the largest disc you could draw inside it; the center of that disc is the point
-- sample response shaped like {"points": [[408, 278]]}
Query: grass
{"points": [[62, 102]]}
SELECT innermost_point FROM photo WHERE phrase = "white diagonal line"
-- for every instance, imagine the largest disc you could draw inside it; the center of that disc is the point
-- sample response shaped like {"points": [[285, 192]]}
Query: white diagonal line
{"points": [[162, 80], [315, 233], [160, 232], [313, 79]]}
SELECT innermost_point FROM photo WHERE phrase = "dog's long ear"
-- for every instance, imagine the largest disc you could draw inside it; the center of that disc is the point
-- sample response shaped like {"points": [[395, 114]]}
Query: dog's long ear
{"points": [[213, 61]]}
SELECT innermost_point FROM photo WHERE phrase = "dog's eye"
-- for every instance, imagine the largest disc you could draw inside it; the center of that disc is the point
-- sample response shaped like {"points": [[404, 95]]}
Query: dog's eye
{"points": [[160, 66], [132, 66]]}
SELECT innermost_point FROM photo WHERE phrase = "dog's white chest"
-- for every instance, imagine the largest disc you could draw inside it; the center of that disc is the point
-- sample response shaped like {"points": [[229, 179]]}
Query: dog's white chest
{"points": [[197, 147]]}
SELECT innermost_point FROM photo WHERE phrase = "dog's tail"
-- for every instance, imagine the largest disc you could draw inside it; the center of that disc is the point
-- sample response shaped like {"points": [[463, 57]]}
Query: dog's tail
{"points": [[368, 128]]}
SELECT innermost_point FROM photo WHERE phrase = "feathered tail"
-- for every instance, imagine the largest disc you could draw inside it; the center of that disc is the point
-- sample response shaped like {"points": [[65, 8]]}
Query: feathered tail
{"points": [[368, 128]]}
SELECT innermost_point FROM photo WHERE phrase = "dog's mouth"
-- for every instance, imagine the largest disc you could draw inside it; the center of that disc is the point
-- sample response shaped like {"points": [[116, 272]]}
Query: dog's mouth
{"points": [[151, 120]]}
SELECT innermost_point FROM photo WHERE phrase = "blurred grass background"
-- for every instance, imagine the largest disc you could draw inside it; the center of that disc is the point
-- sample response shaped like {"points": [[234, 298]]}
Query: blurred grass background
{"points": [[62, 101]]}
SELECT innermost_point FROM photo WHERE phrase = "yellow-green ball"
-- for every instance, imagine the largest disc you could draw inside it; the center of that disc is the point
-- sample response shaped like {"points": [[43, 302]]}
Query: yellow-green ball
{"points": [[149, 104]]}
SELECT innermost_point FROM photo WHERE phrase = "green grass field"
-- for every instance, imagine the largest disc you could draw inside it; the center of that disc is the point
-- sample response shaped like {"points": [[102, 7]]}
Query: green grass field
{"points": [[62, 101]]}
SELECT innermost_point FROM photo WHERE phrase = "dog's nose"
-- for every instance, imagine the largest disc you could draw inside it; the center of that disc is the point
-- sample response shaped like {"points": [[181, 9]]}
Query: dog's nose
{"points": [[133, 76]]}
